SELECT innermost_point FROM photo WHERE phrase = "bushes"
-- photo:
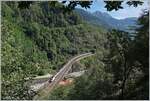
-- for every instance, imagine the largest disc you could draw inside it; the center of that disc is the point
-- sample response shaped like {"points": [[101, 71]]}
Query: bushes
{"points": [[19, 56]]}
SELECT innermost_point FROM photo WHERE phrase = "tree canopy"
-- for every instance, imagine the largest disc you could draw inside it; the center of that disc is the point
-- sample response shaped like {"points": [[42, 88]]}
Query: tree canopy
{"points": [[109, 5]]}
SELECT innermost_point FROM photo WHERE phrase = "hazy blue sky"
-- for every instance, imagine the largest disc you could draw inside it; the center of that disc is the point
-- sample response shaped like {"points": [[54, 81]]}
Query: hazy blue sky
{"points": [[128, 11]]}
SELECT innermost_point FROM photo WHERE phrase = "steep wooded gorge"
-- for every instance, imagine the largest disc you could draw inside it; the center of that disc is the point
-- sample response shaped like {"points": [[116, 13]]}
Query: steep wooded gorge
{"points": [[40, 39]]}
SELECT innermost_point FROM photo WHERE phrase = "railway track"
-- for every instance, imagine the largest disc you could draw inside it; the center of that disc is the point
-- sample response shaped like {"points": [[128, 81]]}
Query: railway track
{"points": [[59, 76]]}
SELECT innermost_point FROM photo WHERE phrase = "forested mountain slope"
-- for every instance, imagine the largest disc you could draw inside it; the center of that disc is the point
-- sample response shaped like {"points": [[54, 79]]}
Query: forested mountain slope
{"points": [[40, 40]]}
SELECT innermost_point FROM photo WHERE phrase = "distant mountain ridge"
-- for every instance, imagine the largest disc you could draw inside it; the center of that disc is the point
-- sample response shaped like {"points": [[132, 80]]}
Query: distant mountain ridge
{"points": [[107, 21]]}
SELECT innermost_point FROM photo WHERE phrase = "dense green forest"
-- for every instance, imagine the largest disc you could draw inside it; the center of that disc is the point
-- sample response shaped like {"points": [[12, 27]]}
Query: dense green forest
{"points": [[40, 39]]}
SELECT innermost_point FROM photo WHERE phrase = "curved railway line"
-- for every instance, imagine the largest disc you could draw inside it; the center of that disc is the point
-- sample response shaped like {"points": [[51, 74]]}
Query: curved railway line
{"points": [[45, 90]]}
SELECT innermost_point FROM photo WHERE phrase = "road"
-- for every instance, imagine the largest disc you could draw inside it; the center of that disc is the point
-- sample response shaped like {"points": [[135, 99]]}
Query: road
{"points": [[59, 76]]}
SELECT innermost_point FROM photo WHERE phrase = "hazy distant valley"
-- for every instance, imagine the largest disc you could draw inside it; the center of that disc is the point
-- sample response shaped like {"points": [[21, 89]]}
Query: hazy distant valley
{"points": [[107, 21]]}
